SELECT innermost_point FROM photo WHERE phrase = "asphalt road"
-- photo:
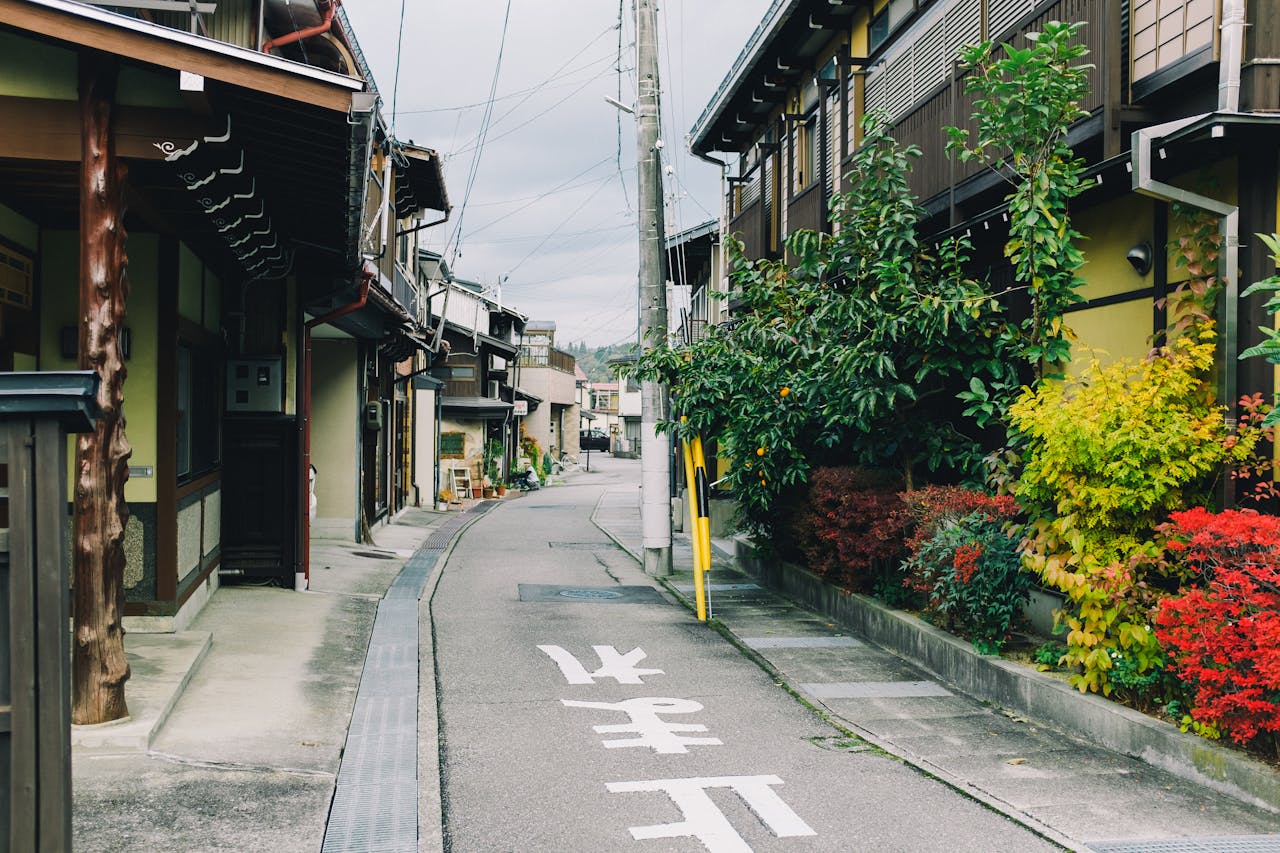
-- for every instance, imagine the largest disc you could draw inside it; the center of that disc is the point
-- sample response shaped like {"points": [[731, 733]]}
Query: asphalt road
{"points": [[700, 748]]}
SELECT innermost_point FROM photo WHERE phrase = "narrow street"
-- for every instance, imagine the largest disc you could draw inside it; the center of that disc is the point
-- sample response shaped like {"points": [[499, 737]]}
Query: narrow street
{"points": [[582, 709]]}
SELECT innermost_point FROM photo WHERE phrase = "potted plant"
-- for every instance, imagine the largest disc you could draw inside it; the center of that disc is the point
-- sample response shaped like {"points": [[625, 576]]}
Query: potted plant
{"points": [[446, 497], [486, 486], [492, 461]]}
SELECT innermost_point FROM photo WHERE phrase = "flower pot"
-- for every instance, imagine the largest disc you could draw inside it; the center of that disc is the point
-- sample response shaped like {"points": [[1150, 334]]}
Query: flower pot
{"points": [[477, 492], [488, 493], [502, 491]]}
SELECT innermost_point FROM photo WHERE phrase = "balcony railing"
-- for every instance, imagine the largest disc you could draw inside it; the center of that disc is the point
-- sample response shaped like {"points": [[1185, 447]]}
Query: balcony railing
{"points": [[749, 227], [808, 210]]}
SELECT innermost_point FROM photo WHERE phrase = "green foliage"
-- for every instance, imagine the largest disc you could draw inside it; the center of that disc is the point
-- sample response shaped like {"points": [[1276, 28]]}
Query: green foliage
{"points": [[1048, 655], [844, 356], [1027, 99], [1107, 456], [971, 574], [492, 456], [1270, 346]]}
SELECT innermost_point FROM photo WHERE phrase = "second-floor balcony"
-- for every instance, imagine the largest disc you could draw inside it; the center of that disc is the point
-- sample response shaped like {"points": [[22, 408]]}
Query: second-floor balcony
{"points": [[545, 356]]}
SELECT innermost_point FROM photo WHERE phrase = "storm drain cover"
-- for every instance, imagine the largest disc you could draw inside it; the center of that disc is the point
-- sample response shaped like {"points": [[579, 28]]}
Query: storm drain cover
{"points": [[590, 594], [607, 544]]}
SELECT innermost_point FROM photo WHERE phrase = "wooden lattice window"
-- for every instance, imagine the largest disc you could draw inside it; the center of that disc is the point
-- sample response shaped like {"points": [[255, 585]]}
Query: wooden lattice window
{"points": [[16, 273], [1164, 31]]}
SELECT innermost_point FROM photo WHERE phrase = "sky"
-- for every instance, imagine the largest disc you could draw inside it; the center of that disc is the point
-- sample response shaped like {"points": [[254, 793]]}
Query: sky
{"points": [[550, 202]]}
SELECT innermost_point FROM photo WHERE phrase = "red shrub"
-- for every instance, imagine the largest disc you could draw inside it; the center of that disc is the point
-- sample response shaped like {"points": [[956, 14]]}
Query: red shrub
{"points": [[1223, 636], [850, 520], [931, 507]]}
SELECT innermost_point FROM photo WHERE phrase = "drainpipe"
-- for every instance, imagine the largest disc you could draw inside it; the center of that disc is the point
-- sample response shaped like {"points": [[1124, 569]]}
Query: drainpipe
{"points": [[330, 8], [302, 579], [1228, 214]]}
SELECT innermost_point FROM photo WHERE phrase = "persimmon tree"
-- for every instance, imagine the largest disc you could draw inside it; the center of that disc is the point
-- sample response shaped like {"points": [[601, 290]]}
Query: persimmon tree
{"points": [[853, 353]]}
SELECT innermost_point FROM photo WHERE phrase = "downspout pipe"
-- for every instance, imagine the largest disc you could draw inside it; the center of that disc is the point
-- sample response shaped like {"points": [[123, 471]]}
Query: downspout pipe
{"points": [[302, 579], [1228, 214], [330, 9]]}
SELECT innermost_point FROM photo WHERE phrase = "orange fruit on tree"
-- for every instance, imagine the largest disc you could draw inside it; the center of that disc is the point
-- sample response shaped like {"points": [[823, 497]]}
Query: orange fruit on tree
{"points": [[784, 391], [760, 451]]}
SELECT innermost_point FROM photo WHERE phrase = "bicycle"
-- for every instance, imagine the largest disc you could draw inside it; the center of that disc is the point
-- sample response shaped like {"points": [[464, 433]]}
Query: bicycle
{"points": [[567, 463]]}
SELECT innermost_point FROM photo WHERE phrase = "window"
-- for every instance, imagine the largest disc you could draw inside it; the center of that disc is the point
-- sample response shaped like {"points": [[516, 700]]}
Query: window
{"points": [[806, 152], [1164, 32], [888, 20], [199, 439], [15, 278]]}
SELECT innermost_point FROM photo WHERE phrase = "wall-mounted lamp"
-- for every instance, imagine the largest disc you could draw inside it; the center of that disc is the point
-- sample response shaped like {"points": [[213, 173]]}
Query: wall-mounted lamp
{"points": [[1140, 257]]}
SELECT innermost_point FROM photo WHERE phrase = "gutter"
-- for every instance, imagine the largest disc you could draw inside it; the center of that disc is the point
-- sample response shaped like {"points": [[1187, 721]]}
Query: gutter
{"points": [[209, 45], [778, 14], [1228, 214]]}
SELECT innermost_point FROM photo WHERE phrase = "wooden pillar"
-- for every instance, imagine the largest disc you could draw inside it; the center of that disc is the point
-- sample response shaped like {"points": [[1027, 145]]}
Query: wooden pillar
{"points": [[99, 665]]}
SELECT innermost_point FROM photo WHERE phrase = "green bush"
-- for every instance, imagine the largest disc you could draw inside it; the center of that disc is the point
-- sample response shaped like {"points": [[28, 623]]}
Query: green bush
{"points": [[971, 574], [1107, 456]]}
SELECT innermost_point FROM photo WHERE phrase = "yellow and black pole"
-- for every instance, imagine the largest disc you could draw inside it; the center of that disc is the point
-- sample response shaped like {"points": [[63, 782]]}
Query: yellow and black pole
{"points": [[702, 529], [699, 567]]}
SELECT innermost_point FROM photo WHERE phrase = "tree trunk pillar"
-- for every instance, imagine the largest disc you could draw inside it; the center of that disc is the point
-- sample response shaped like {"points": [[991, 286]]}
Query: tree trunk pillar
{"points": [[99, 665]]}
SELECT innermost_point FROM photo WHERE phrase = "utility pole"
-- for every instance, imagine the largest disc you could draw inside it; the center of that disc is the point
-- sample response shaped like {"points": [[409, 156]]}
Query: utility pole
{"points": [[655, 449]]}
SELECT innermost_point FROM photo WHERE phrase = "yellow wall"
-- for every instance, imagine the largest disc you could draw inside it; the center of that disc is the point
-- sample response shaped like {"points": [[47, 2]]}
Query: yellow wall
{"points": [[59, 294], [1123, 330], [18, 229], [1110, 230], [32, 69], [334, 443], [190, 298]]}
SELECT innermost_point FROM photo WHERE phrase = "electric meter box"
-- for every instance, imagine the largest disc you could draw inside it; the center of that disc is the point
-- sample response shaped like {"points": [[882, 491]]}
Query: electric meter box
{"points": [[255, 385]]}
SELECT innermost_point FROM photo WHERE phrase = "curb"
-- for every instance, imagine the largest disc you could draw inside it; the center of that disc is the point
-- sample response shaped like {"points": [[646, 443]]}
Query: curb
{"points": [[138, 731], [1024, 690]]}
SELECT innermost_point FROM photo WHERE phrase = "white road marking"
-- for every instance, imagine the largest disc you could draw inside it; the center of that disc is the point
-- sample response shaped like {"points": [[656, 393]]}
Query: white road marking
{"points": [[621, 668], [704, 820], [659, 736]]}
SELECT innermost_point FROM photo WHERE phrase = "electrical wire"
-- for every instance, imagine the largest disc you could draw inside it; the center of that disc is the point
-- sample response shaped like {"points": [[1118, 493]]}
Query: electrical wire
{"points": [[395, 83], [456, 237], [556, 230], [544, 195]]}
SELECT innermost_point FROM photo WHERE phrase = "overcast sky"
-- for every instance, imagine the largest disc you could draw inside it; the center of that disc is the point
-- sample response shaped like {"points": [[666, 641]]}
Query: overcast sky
{"points": [[552, 203]]}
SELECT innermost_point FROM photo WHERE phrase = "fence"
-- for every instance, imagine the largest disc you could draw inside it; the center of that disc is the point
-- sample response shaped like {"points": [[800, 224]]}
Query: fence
{"points": [[36, 412]]}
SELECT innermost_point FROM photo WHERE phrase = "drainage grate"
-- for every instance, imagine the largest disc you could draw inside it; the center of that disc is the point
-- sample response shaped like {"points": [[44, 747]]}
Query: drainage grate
{"points": [[875, 690], [590, 594], [604, 545], [375, 798], [1226, 844], [801, 642]]}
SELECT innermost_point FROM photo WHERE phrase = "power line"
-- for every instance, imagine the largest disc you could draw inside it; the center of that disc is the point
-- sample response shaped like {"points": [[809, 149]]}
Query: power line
{"points": [[544, 195], [395, 83], [484, 132], [555, 230]]}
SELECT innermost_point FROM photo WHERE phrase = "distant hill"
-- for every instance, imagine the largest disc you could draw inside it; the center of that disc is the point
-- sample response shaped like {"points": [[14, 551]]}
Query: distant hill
{"points": [[595, 362]]}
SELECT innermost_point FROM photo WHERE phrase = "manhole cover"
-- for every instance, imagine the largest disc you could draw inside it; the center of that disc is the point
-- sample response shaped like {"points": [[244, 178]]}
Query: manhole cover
{"points": [[543, 592], [590, 593], [374, 555], [606, 545]]}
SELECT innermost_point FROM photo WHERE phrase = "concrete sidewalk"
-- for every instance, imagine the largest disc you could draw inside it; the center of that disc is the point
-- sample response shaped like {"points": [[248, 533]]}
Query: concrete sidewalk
{"points": [[1073, 792], [237, 726]]}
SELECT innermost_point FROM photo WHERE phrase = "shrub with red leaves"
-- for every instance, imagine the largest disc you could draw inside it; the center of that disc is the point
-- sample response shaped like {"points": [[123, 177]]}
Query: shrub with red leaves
{"points": [[931, 507], [1222, 636], [850, 522]]}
